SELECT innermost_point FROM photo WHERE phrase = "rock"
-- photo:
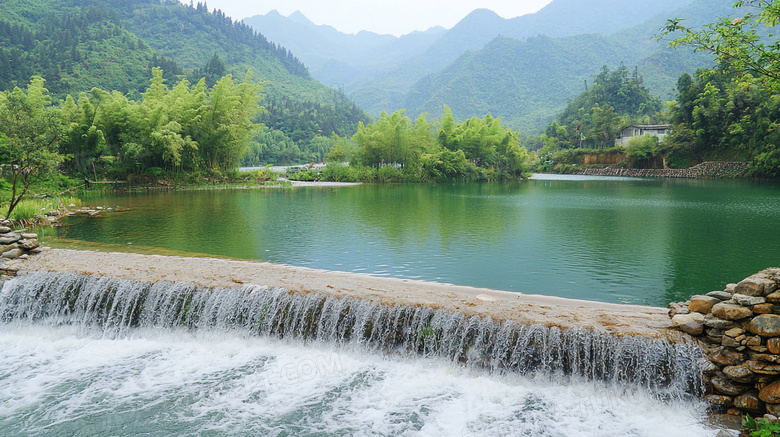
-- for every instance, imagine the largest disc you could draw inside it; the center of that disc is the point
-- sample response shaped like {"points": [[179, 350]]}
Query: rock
{"points": [[30, 236], [710, 368], [36, 250], [729, 342], [771, 358], [731, 312], [764, 308], [739, 373], [13, 253], [692, 328], [754, 341], [773, 297], [680, 319], [771, 393], [759, 349], [749, 401], [726, 386], [7, 247], [773, 344], [773, 408], [689, 323], [5, 229], [720, 295], [730, 288], [679, 310], [724, 433], [766, 325], [715, 333], [734, 332], [28, 244], [726, 357], [9, 238], [715, 322], [24, 256], [748, 300], [763, 367], [719, 400], [703, 304], [755, 286]]}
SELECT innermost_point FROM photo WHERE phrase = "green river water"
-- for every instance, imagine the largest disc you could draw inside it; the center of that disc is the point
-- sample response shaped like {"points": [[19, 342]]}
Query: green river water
{"points": [[647, 241]]}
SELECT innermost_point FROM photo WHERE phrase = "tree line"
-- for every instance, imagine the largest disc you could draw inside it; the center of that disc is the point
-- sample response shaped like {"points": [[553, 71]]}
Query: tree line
{"points": [[397, 149]]}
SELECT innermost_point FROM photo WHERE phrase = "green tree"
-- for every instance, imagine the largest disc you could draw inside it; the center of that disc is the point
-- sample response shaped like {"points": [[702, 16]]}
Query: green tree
{"points": [[745, 43], [31, 133]]}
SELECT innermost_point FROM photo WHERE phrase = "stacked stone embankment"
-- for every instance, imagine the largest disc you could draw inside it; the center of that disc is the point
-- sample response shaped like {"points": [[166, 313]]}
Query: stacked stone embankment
{"points": [[741, 329], [705, 170]]}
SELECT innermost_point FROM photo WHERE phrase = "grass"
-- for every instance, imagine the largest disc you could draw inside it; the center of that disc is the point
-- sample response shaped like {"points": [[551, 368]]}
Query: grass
{"points": [[27, 210]]}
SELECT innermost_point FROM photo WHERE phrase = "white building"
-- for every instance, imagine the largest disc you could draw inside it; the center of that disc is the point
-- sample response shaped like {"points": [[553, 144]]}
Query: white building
{"points": [[637, 130]]}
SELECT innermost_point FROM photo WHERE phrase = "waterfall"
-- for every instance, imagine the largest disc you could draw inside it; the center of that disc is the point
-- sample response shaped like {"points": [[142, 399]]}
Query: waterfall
{"points": [[116, 306]]}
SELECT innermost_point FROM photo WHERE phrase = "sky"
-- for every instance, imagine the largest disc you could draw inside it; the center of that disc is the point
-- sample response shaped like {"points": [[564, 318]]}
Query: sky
{"points": [[396, 17]]}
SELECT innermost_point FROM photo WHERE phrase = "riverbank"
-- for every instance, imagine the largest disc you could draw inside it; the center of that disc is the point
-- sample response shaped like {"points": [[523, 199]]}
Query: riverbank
{"points": [[705, 170], [499, 305]]}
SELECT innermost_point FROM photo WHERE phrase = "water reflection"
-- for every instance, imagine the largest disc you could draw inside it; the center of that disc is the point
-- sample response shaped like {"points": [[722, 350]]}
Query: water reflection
{"points": [[637, 240]]}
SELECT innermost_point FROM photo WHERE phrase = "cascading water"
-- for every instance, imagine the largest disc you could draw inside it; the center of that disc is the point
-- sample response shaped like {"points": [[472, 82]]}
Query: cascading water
{"points": [[115, 307]]}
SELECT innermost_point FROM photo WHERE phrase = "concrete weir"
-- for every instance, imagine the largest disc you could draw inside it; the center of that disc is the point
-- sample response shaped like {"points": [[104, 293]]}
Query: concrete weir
{"points": [[525, 309], [483, 329]]}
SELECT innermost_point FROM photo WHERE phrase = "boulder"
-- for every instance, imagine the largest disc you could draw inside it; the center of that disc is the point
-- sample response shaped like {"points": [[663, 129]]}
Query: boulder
{"points": [[689, 323], [731, 312], [730, 342], [719, 400], [739, 373], [734, 332], [13, 253], [9, 238], [703, 304], [773, 297], [5, 229], [763, 367], [726, 386], [28, 244], [755, 286], [773, 409], [6, 247], [749, 401], [771, 393], [726, 357], [773, 344], [680, 319], [748, 300], [715, 322], [720, 295], [766, 325], [764, 308], [30, 236], [770, 358]]}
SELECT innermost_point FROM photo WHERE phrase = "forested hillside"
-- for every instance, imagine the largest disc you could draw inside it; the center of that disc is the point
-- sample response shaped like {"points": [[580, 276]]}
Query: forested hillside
{"points": [[528, 82], [76, 45], [378, 70]]}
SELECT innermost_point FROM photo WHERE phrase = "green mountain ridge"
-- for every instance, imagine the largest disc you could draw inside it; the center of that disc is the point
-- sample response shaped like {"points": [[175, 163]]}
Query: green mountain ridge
{"points": [[113, 44], [528, 82]]}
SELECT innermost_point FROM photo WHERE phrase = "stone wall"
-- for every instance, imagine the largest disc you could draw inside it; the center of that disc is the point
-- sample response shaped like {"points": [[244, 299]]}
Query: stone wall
{"points": [[704, 170], [740, 328]]}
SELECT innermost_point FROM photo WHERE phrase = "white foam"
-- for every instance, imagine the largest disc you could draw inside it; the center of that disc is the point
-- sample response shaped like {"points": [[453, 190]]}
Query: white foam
{"points": [[64, 381]]}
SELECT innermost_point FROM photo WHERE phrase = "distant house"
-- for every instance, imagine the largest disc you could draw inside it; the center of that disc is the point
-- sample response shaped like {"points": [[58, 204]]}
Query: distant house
{"points": [[637, 130]]}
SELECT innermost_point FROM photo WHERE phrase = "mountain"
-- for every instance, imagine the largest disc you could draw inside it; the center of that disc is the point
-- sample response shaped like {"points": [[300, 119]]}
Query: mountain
{"points": [[528, 81], [379, 70], [113, 44], [335, 57]]}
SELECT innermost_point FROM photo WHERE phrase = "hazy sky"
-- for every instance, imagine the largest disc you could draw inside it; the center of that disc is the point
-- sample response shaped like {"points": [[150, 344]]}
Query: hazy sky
{"points": [[396, 17]]}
